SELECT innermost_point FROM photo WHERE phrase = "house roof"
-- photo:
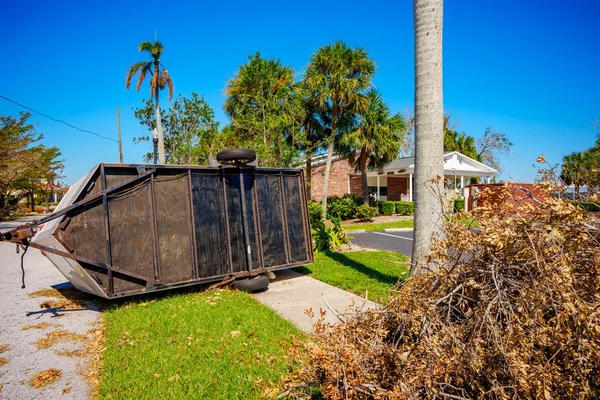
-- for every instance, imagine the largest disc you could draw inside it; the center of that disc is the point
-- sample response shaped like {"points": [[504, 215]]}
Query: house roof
{"points": [[453, 162]]}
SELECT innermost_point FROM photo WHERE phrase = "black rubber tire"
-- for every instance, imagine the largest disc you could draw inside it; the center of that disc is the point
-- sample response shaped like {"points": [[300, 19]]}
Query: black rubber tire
{"points": [[232, 156], [251, 285]]}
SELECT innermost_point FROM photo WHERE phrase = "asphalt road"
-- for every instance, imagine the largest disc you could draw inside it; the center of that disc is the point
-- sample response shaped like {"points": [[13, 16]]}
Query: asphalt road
{"points": [[395, 241]]}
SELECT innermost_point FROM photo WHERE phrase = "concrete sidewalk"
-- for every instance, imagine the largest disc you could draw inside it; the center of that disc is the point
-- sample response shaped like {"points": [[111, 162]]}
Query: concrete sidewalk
{"points": [[292, 293], [24, 322]]}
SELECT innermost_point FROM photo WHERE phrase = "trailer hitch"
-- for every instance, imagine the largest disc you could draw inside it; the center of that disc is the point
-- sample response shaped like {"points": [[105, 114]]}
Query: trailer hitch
{"points": [[19, 235]]}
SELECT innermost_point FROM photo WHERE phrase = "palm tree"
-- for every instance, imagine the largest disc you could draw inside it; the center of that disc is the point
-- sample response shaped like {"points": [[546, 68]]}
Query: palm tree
{"points": [[429, 129], [376, 141], [461, 142], [337, 76], [314, 129], [159, 80], [265, 108]]}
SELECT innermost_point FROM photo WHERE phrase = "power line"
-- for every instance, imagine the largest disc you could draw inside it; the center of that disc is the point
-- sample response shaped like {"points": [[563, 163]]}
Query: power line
{"points": [[58, 120]]}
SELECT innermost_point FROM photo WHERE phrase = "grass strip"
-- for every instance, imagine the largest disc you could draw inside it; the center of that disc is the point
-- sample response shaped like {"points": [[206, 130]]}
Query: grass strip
{"points": [[211, 345], [366, 273], [373, 227]]}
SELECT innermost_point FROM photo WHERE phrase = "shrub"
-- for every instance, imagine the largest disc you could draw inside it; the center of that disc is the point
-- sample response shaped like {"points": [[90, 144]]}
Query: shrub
{"points": [[339, 231], [459, 205], [343, 207], [517, 318], [405, 207], [366, 213], [325, 237], [387, 207], [315, 212], [593, 207]]}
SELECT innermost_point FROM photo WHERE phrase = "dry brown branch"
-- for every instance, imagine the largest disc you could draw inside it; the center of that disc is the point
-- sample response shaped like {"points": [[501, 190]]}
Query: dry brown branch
{"points": [[514, 312]]}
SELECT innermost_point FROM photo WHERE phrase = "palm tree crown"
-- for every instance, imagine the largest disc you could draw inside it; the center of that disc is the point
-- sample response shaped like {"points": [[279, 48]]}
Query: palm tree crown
{"points": [[159, 75], [377, 139], [336, 77]]}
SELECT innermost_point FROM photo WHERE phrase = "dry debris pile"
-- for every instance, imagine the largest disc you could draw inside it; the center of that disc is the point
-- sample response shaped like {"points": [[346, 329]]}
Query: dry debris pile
{"points": [[513, 312]]}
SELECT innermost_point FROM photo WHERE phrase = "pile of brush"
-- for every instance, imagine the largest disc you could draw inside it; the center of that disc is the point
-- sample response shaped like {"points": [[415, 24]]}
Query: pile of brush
{"points": [[511, 312]]}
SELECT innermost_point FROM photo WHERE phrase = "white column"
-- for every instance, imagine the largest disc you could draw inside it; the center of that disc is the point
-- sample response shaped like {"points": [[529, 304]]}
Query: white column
{"points": [[377, 197], [462, 182], [410, 190], [348, 182]]}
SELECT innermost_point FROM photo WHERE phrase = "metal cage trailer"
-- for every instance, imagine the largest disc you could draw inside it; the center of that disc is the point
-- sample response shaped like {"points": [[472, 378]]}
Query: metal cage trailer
{"points": [[127, 229]]}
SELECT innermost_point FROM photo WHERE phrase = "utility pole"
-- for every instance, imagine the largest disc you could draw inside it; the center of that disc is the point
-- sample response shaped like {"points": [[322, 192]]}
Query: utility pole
{"points": [[119, 133]]}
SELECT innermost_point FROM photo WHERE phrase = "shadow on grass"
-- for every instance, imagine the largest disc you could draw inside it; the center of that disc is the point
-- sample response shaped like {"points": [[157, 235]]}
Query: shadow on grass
{"points": [[357, 266]]}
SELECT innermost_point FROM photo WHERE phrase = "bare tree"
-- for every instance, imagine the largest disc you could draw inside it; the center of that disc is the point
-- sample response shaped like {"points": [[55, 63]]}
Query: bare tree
{"points": [[429, 125]]}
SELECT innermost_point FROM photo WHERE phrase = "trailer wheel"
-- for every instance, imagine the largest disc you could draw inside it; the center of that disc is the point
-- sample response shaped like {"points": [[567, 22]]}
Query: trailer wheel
{"points": [[251, 285], [232, 156]]}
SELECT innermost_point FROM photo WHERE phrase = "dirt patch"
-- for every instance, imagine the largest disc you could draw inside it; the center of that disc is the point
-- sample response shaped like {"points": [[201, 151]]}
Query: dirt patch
{"points": [[3, 361], [4, 348], [51, 338], [45, 378], [41, 325]]}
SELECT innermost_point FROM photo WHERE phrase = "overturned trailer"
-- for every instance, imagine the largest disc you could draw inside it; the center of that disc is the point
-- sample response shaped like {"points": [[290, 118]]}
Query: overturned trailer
{"points": [[128, 229]]}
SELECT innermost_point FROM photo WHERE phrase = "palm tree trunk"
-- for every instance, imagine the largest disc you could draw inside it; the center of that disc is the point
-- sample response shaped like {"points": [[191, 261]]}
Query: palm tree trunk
{"points": [[429, 130], [329, 157], [308, 173], [363, 173], [161, 139]]}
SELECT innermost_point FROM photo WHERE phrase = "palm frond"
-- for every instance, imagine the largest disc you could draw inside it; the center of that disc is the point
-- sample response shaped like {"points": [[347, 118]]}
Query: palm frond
{"points": [[132, 71]]}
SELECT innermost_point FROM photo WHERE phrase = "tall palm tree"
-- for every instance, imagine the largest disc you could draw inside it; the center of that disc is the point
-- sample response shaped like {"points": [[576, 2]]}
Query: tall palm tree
{"points": [[376, 141], [429, 129], [314, 129], [159, 80], [337, 76], [265, 107]]}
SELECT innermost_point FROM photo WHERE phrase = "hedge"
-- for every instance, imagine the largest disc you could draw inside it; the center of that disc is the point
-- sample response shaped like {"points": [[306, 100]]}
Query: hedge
{"points": [[405, 207], [459, 204], [387, 207]]}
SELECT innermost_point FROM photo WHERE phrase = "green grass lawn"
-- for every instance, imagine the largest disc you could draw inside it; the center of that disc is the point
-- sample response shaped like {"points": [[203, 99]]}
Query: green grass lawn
{"points": [[370, 226], [212, 345], [366, 273]]}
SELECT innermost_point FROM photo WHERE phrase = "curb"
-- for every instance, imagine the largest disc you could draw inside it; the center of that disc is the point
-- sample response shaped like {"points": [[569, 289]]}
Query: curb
{"points": [[398, 229], [355, 231]]}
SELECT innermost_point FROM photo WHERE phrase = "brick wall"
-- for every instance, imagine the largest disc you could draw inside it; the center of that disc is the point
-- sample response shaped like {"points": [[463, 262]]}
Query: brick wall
{"points": [[356, 185], [397, 186], [338, 179]]}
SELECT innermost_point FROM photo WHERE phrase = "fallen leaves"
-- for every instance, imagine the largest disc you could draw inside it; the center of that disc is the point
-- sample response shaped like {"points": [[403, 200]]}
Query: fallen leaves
{"points": [[41, 325], [45, 378], [51, 338]]}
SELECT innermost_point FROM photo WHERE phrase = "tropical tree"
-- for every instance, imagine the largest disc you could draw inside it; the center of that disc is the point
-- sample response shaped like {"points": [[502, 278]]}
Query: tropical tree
{"points": [[265, 107], [18, 151], [336, 78], [189, 129], [490, 146], [376, 141], [314, 126], [429, 130], [159, 79], [461, 142]]}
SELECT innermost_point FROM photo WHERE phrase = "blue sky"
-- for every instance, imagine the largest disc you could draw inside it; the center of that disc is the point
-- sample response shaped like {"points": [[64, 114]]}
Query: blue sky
{"points": [[526, 68]]}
